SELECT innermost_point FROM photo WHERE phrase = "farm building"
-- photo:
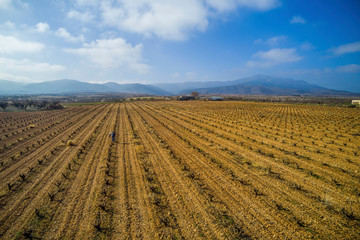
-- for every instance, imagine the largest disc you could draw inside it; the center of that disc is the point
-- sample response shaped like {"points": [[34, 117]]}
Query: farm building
{"points": [[355, 102], [216, 98], [186, 98]]}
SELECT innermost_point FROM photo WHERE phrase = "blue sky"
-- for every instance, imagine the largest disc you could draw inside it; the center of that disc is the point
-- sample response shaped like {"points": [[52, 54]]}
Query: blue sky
{"points": [[152, 41]]}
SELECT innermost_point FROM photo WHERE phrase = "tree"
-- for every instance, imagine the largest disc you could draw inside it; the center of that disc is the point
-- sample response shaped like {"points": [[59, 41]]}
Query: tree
{"points": [[54, 105], [42, 104], [194, 94], [3, 105], [28, 103], [18, 105]]}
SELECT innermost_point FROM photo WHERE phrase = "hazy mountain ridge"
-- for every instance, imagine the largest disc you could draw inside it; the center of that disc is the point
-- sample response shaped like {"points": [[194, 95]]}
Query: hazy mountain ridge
{"points": [[255, 85], [267, 85], [9, 86], [244, 89], [257, 80], [66, 86]]}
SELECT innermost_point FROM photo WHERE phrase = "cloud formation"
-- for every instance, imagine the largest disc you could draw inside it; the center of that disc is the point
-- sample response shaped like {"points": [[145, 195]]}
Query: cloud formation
{"points": [[42, 27], [170, 19], [272, 41], [306, 46], [28, 70], [227, 5], [112, 53], [166, 19], [190, 75], [63, 33], [83, 3], [11, 4], [10, 45], [298, 19], [347, 48], [83, 17], [274, 57], [5, 4], [25, 65], [350, 68]]}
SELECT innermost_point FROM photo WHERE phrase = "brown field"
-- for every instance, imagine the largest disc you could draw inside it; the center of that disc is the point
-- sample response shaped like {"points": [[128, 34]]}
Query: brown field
{"points": [[181, 170]]}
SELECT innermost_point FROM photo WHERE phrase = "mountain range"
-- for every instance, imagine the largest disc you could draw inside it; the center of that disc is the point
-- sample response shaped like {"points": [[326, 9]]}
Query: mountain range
{"points": [[66, 86], [256, 85]]}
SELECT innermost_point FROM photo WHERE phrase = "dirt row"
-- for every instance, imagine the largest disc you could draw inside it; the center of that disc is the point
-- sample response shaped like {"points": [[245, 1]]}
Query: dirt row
{"points": [[256, 220], [21, 204], [26, 143], [182, 171], [311, 201], [246, 141], [193, 212], [43, 151], [14, 126]]}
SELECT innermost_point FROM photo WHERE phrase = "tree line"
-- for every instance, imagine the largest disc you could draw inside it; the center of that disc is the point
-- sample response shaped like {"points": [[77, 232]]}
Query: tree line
{"points": [[36, 104]]}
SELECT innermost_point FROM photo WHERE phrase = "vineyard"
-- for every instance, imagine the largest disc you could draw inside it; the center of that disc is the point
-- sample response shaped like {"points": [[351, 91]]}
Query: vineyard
{"points": [[181, 170]]}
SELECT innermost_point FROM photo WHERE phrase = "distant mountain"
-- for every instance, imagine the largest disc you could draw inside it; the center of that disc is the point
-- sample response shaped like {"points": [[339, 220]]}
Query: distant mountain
{"points": [[266, 85], [177, 88], [8, 86], [268, 81], [66, 86], [256, 85], [257, 80], [136, 88]]}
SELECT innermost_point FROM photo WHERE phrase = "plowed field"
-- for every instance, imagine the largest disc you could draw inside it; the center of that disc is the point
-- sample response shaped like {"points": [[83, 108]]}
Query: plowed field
{"points": [[181, 170]]}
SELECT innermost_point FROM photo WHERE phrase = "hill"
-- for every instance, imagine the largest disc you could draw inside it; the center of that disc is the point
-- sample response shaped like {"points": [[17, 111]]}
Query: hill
{"points": [[66, 86], [256, 85], [266, 85]]}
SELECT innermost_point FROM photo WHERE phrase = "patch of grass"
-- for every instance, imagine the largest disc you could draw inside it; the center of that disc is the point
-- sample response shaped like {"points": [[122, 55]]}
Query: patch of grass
{"points": [[77, 104]]}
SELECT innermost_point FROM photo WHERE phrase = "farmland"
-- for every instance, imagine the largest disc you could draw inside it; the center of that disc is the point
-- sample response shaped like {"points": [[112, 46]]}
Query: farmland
{"points": [[181, 170]]}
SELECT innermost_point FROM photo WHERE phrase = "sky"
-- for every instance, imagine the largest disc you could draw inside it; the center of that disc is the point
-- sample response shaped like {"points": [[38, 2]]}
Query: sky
{"points": [[156, 41]]}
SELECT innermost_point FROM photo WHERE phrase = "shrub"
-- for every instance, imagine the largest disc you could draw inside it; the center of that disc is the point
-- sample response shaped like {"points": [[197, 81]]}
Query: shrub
{"points": [[70, 143], [352, 106]]}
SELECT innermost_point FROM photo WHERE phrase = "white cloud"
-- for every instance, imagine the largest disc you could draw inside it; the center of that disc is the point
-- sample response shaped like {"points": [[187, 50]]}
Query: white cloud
{"points": [[8, 25], [42, 27], [9, 4], [5, 4], [26, 70], [10, 44], [25, 65], [83, 17], [12, 77], [112, 53], [175, 75], [272, 41], [347, 48], [11, 27], [307, 46], [350, 68], [298, 19], [167, 19], [274, 57], [83, 3], [314, 71], [109, 35], [190, 75], [226, 5], [63, 33], [222, 5], [171, 19]]}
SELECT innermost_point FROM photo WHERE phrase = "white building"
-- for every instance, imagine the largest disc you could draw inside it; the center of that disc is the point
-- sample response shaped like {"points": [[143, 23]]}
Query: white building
{"points": [[355, 102]]}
